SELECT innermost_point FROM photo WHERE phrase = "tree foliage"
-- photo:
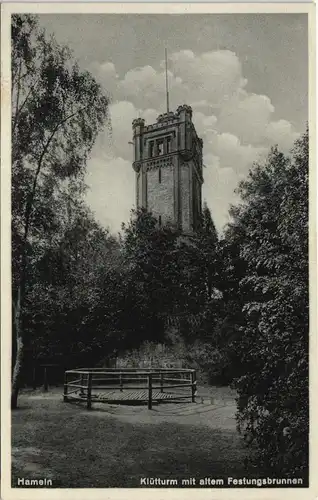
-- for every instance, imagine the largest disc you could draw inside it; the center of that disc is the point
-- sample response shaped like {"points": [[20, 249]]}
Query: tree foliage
{"points": [[63, 304], [57, 112], [172, 274], [267, 267]]}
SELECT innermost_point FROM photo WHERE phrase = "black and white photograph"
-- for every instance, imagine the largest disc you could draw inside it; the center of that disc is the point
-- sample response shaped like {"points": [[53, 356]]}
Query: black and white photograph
{"points": [[159, 284]]}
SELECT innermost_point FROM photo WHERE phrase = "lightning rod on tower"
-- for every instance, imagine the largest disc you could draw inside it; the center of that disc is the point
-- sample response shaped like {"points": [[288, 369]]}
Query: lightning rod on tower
{"points": [[167, 88]]}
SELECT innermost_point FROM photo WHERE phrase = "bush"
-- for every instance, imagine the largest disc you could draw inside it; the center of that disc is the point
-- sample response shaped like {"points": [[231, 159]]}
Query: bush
{"points": [[206, 360], [209, 361], [150, 355]]}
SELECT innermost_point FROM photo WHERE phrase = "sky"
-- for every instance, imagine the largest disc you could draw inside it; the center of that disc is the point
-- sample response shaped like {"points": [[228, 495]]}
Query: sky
{"points": [[245, 76]]}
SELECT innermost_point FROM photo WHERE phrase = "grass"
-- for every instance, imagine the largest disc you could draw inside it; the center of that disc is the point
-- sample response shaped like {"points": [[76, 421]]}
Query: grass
{"points": [[116, 446]]}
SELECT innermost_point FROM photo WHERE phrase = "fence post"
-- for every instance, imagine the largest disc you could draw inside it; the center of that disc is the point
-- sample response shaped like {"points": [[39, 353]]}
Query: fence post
{"points": [[65, 387], [161, 382], [150, 391], [121, 382], [82, 385], [193, 385], [45, 384], [89, 391]]}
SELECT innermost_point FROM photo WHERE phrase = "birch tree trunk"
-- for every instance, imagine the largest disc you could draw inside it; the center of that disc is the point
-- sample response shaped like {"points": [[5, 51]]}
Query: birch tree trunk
{"points": [[17, 372], [19, 357], [57, 113]]}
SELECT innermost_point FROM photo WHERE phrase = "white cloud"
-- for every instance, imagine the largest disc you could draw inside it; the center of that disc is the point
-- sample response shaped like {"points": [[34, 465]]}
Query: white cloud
{"points": [[212, 76], [205, 124], [218, 189], [235, 155], [282, 133], [106, 74], [147, 86], [112, 189], [122, 114], [246, 116], [236, 126], [200, 104], [225, 168]]}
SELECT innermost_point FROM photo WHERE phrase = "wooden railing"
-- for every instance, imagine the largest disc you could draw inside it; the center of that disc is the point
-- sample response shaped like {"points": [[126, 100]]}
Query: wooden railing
{"points": [[81, 384]]}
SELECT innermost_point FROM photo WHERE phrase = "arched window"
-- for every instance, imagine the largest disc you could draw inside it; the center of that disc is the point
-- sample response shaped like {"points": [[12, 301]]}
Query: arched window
{"points": [[151, 149], [169, 143], [160, 147]]}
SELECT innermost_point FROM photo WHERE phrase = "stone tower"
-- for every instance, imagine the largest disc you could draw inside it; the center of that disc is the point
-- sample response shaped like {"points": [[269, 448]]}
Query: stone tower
{"points": [[168, 166]]}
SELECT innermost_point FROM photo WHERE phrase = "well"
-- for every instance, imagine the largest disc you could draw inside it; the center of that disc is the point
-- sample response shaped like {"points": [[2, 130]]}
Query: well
{"points": [[129, 385]]}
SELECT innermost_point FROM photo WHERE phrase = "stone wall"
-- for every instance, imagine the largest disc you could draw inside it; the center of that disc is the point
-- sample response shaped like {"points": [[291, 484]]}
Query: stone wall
{"points": [[186, 195], [161, 194], [196, 201], [138, 189]]}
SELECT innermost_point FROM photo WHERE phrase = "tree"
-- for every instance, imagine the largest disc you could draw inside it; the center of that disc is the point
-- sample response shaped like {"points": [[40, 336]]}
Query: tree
{"points": [[209, 249], [267, 246], [57, 112], [73, 280], [150, 256], [172, 277]]}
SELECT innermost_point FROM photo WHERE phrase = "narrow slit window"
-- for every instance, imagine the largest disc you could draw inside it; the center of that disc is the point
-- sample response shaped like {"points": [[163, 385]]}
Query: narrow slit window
{"points": [[151, 149], [160, 148], [159, 175], [159, 219], [169, 145]]}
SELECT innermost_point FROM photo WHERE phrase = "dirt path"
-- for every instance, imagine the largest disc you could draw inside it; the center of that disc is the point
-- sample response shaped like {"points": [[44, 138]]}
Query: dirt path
{"points": [[116, 445], [214, 407]]}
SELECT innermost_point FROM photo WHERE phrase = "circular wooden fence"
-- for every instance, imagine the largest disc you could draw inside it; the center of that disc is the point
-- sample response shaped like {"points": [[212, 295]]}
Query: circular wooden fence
{"points": [[129, 385]]}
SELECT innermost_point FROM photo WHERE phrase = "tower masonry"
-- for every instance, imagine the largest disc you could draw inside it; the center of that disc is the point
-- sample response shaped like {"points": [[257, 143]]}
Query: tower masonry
{"points": [[168, 166]]}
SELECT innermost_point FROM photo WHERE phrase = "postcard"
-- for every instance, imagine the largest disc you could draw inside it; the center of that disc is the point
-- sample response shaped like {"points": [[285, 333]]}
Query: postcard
{"points": [[158, 251]]}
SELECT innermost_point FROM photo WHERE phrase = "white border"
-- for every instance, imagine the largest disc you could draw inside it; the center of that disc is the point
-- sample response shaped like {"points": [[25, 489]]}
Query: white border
{"points": [[7, 493]]}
